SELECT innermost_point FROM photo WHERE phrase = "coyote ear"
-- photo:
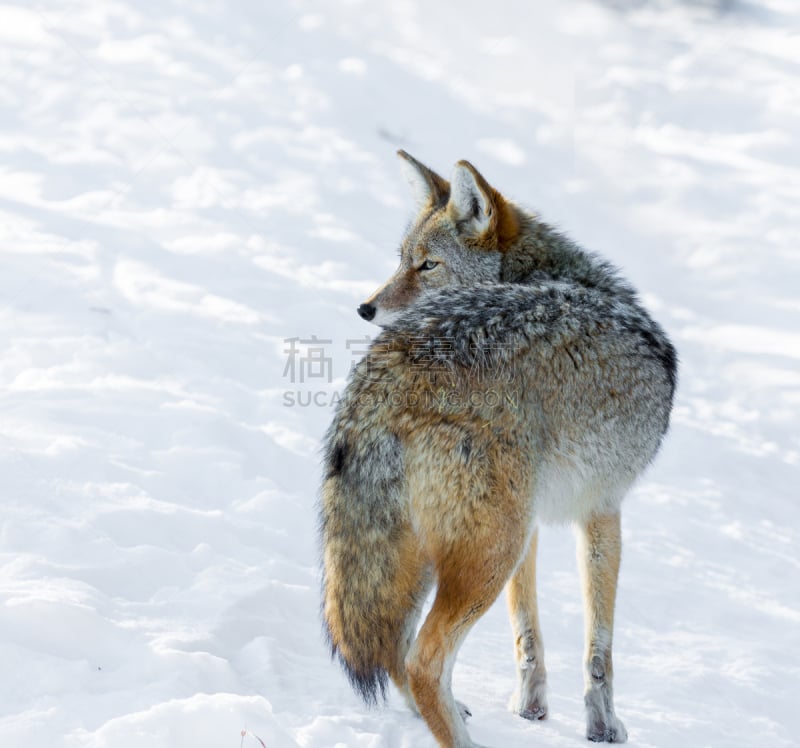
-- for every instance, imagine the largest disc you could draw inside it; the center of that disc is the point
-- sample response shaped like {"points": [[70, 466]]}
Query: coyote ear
{"points": [[471, 199], [427, 186], [480, 212]]}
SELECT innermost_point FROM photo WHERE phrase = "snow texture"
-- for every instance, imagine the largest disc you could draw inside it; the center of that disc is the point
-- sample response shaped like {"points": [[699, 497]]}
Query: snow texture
{"points": [[186, 186]]}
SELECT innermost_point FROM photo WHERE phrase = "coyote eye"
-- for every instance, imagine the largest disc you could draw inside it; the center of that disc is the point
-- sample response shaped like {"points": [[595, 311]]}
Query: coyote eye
{"points": [[428, 265]]}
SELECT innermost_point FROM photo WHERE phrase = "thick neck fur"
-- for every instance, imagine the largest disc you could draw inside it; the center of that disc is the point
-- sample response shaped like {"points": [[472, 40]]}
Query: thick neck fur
{"points": [[541, 253]]}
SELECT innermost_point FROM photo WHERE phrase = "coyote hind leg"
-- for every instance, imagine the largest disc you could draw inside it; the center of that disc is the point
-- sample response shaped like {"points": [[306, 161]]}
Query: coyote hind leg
{"points": [[469, 582], [599, 548], [397, 671], [530, 698], [412, 586]]}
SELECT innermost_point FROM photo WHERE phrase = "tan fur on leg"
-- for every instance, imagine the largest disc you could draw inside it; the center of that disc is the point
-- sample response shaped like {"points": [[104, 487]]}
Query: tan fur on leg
{"points": [[530, 698], [599, 549]]}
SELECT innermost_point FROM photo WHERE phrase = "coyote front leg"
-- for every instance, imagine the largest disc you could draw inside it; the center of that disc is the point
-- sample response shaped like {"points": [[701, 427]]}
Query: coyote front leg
{"points": [[530, 698], [599, 547]]}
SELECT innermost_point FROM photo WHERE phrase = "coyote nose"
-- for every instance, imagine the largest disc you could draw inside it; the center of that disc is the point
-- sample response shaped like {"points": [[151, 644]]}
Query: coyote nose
{"points": [[367, 312]]}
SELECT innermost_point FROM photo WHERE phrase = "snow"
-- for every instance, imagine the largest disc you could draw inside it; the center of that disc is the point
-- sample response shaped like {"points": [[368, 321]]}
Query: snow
{"points": [[186, 186]]}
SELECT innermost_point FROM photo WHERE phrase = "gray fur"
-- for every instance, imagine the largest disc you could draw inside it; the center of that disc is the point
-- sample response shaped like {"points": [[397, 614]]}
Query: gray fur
{"points": [[493, 324]]}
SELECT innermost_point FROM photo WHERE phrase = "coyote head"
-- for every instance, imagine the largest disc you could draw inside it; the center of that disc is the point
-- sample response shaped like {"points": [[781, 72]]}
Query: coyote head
{"points": [[461, 231]]}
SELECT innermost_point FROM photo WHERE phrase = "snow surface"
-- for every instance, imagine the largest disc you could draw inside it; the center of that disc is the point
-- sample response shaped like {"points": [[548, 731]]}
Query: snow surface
{"points": [[186, 185]]}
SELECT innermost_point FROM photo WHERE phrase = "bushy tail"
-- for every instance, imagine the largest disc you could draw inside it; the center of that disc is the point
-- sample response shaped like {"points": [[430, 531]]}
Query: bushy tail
{"points": [[371, 569]]}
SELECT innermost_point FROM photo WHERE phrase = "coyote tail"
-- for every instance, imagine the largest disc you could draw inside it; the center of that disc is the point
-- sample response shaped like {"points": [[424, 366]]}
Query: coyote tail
{"points": [[368, 588]]}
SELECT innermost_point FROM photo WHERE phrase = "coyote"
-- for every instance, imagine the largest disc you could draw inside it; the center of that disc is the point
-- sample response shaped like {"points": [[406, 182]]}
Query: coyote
{"points": [[517, 380]]}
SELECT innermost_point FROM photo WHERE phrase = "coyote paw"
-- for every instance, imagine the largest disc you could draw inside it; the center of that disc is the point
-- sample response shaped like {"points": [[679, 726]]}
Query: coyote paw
{"points": [[602, 724], [609, 731], [534, 711], [534, 704]]}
